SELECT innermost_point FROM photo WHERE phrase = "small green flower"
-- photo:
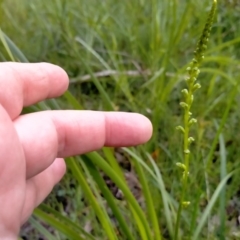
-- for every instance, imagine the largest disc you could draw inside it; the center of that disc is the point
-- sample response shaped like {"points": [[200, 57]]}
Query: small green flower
{"points": [[186, 204], [180, 128], [181, 165], [190, 140]]}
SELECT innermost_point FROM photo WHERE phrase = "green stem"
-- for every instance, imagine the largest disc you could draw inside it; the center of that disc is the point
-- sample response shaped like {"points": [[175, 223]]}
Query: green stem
{"points": [[186, 144]]}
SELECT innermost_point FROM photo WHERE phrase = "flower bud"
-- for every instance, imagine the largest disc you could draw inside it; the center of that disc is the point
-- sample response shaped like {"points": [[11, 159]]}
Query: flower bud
{"points": [[184, 105], [180, 128]]}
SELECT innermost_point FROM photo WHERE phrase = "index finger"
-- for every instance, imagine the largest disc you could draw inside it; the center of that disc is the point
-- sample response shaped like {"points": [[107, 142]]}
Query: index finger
{"points": [[50, 134], [23, 84]]}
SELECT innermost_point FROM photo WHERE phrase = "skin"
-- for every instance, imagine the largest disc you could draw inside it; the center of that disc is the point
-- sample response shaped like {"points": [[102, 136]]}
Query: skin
{"points": [[32, 146]]}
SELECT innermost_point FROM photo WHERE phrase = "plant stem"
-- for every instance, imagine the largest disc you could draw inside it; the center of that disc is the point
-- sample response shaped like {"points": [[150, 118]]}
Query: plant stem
{"points": [[186, 142], [192, 86]]}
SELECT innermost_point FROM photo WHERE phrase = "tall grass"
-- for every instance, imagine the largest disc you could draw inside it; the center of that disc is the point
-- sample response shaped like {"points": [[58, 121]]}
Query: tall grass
{"points": [[132, 56]]}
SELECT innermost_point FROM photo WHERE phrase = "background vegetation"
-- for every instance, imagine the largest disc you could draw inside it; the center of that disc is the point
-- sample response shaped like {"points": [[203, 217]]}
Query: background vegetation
{"points": [[131, 56]]}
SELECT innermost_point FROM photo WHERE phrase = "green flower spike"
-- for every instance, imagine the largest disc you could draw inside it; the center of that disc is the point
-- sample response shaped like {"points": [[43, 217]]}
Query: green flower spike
{"points": [[192, 85]]}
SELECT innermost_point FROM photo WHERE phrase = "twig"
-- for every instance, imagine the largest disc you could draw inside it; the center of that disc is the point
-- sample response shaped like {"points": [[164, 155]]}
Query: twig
{"points": [[109, 73]]}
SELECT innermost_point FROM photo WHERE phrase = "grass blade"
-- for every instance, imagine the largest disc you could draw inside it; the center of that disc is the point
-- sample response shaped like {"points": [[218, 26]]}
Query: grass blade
{"points": [[109, 197], [78, 173], [12, 50], [223, 173], [149, 201], [164, 194], [223, 121], [137, 211], [41, 229], [210, 205], [54, 222], [66, 221], [73, 101]]}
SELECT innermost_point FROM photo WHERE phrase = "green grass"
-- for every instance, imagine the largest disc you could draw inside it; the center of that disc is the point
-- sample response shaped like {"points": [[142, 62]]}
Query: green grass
{"points": [[132, 56]]}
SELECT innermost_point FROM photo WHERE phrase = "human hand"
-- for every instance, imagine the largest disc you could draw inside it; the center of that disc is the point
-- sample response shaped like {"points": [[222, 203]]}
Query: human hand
{"points": [[32, 146]]}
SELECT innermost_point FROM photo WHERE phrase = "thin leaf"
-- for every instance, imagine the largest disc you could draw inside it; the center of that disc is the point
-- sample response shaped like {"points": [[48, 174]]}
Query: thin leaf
{"points": [[164, 194], [108, 152], [222, 123], [149, 201], [5, 44], [223, 173], [97, 83], [73, 101], [210, 205], [223, 45], [96, 193], [137, 211], [78, 173], [41, 229], [54, 222], [110, 199], [66, 221], [12, 49]]}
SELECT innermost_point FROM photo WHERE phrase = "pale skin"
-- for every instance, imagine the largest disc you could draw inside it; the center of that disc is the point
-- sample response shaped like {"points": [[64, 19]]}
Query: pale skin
{"points": [[32, 146]]}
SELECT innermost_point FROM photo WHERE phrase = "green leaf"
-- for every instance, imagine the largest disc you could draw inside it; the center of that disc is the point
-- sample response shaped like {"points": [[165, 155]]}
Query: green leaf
{"points": [[73, 101], [62, 227], [109, 197], [210, 205], [65, 220], [12, 50], [100, 212], [149, 200], [138, 214], [45, 232]]}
